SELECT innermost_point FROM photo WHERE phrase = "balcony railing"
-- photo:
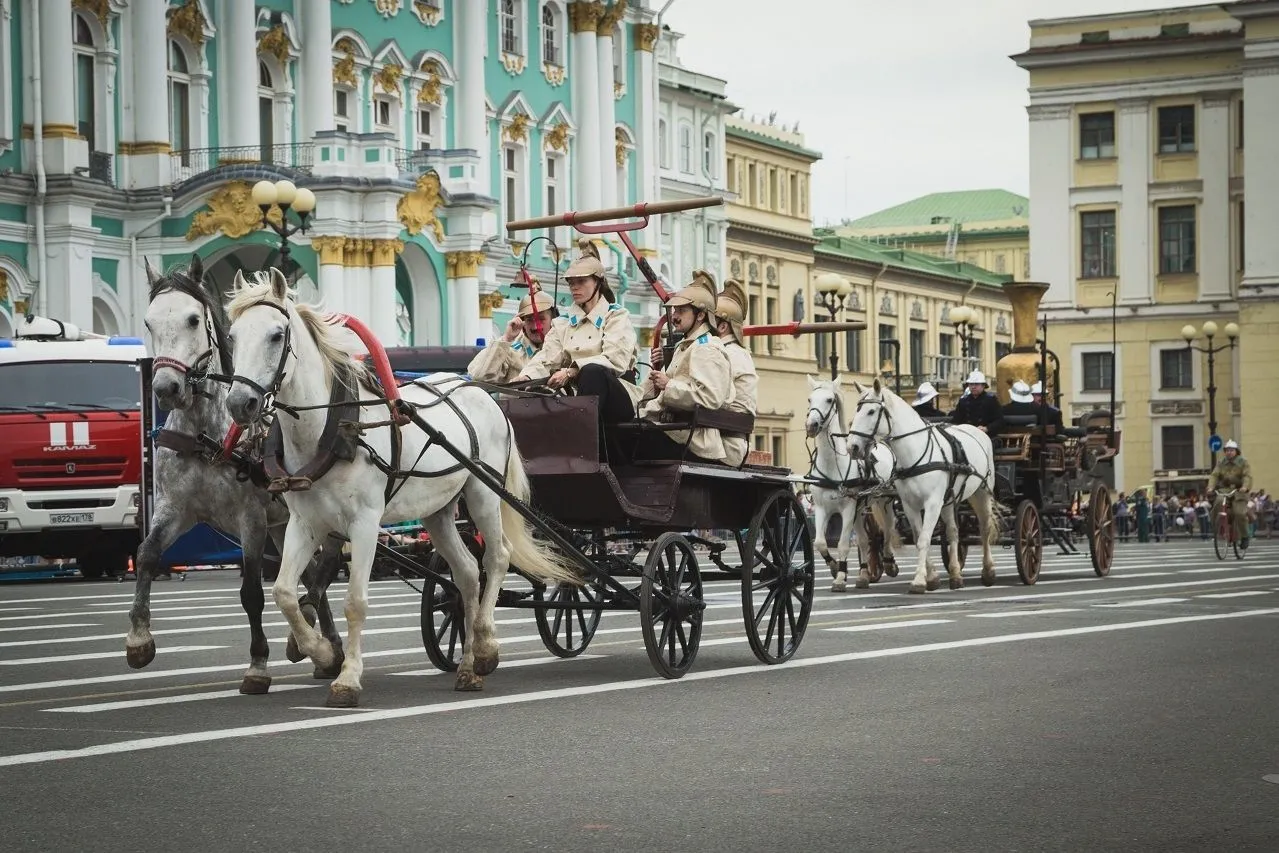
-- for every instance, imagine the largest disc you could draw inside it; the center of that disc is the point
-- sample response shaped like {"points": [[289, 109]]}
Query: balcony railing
{"points": [[190, 162], [949, 371]]}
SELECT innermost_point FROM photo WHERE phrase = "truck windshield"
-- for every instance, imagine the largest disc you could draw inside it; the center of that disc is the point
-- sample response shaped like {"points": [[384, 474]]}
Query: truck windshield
{"points": [[62, 385]]}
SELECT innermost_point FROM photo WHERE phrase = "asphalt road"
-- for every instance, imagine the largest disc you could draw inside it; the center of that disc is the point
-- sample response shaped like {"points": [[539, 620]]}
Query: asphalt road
{"points": [[1134, 712]]}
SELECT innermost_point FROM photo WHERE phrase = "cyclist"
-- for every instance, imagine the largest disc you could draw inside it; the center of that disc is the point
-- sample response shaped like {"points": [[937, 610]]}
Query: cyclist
{"points": [[1233, 472]]}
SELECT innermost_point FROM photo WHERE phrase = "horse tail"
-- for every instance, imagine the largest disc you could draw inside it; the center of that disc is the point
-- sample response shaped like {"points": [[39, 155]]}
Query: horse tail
{"points": [[534, 558]]}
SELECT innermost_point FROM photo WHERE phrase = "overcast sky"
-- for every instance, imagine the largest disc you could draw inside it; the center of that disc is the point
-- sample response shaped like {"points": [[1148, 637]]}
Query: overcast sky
{"points": [[902, 97]]}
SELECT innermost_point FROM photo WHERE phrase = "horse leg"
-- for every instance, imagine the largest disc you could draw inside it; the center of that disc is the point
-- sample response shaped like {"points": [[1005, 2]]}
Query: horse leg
{"points": [[323, 571], [983, 503], [485, 510], [167, 524], [922, 521], [848, 520], [257, 680], [865, 550], [300, 540], [951, 556], [345, 690], [466, 577], [820, 518]]}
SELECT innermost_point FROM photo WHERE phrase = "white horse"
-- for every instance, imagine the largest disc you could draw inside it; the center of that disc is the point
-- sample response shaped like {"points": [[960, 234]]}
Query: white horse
{"points": [[839, 479], [288, 356], [928, 479]]}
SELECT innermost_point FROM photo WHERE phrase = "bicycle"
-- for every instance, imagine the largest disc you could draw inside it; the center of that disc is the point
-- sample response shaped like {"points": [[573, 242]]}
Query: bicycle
{"points": [[1223, 529]]}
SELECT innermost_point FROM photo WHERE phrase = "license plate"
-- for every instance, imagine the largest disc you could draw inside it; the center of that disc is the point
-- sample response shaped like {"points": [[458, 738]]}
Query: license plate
{"points": [[71, 518]]}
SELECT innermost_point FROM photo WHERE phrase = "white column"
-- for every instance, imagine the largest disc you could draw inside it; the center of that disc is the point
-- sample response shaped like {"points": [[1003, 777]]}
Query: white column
{"points": [[647, 177], [608, 151], [1216, 270], [584, 78], [240, 78], [67, 294], [1132, 131], [1261, 152], [464, 297], [469, 129], [150, 101], [1050, 178], [63, 147], [382, 293], [331, 272], [316, 69]]}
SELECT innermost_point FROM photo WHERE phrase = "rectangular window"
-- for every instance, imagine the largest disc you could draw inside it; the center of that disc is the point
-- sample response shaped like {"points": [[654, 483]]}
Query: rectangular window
{"points": [[946, 363], [1176, 129], [708, 154], [180, 119], [756, 341], [686, 149], [1177, 239], [1175, 370], [1242, 231], [663, 144], [552, 187], [1097, 369], [266, 128], [770, 317], [84, 91], [511, 183], [425, 130], [732, 175], [794, 190], [917, 354], [822, 344], [803, 197], [1096, 136], [887, 332], [508, 22], [773, 199], [1239, 126], [778, 459], [382, 113], [1097, 230], [1178, 447], [853, 344], [750, 196]]}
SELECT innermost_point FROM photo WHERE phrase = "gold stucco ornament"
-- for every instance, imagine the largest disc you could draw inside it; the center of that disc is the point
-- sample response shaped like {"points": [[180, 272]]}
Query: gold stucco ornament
{"points": [[231, 210], [419, 208]]}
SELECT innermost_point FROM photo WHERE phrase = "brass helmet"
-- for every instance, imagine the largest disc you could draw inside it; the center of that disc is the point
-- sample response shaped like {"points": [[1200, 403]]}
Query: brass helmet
{"points": [[731, 307], [588, 263], [699, 293]]}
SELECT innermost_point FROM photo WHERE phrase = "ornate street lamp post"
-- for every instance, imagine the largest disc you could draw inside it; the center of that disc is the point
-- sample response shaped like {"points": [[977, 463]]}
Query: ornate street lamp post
{"points": [[288, 197], [832, 290], [965, 319], [1209, 332]]}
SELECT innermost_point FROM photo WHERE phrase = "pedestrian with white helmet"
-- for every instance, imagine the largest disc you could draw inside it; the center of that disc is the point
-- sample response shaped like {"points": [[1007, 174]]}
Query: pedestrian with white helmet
{"points": [[1233, 472], [923, 402], [978, 407]]}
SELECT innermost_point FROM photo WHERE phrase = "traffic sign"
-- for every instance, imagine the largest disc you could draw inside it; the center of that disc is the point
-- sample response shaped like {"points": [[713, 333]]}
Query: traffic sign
{"points": [[1214, 443]]}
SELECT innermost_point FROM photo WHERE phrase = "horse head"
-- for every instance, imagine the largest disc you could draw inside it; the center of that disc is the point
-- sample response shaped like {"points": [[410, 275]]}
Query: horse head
{"points": [[187, 328], [872, 420], [825, 407], [261, 330]]}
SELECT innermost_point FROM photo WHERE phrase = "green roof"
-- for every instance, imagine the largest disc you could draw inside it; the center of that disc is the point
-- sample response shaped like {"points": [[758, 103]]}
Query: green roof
{"points": [[965, 206], [903, 259], [772, 142]]}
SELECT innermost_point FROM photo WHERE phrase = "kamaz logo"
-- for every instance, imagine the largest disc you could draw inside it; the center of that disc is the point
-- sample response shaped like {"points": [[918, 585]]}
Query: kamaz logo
{"points": [[70, 467], [79, 438]]}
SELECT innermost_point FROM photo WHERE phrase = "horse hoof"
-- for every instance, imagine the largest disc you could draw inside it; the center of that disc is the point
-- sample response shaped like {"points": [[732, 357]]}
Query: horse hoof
{"points": [[987, 579], [933, 584], [890, 569], [341, 696], [956, 583], [838, 586], [291, 650], [917, 590], [484, 665], [862, 583], [468, 681], [255, 685], [140, 656]]}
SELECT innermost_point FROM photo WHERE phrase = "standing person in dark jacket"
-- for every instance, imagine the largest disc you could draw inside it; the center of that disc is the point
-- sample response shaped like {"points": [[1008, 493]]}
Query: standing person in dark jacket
{"points": [[923, 403], [978, 407]]}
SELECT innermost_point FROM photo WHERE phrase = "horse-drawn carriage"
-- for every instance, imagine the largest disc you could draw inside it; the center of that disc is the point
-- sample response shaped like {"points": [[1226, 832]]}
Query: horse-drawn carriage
{"points": [[444, 451]]}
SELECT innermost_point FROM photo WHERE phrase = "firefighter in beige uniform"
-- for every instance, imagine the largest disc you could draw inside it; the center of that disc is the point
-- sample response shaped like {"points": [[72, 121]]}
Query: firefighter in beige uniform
{"points": [[730, 317], [502, 360], [698, 375]]}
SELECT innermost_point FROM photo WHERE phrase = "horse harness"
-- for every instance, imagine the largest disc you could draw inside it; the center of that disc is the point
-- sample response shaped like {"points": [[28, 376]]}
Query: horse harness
{"points": [[957, 467]]}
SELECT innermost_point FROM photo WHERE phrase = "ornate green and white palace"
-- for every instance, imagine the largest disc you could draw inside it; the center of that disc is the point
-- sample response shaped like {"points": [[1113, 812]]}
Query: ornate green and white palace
{"points": [[138, 127]]}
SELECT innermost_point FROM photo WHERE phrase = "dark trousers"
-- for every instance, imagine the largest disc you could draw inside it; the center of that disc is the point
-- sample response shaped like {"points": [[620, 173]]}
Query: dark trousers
{"points": [[659, 445], [615, 405]]}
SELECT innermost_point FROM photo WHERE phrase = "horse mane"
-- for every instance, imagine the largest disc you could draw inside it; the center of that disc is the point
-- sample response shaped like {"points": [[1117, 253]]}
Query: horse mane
{"points": [[179, 278], [339, 362]]}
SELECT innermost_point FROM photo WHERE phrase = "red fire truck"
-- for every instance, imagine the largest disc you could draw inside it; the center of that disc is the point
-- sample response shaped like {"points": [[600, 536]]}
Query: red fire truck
{"points": [[70, 445]]}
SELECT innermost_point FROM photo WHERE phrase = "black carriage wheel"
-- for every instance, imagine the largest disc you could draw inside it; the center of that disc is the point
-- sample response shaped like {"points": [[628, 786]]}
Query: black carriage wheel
{"points": [[1028, 542], [443, 623], [1101, 530], [566, 632], [671, 605], [779, 564]]}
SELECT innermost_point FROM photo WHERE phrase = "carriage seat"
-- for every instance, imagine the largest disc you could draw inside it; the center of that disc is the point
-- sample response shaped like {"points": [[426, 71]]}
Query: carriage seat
{"points": [[729, 424]]}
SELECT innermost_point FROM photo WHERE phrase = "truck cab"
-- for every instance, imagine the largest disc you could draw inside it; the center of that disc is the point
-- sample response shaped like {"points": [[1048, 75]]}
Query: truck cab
{"points": [[70, 445]]}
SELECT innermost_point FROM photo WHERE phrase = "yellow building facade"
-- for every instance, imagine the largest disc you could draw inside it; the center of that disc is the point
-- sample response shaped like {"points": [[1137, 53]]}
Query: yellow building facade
{"points": [[902, 296], [1146, 220]]}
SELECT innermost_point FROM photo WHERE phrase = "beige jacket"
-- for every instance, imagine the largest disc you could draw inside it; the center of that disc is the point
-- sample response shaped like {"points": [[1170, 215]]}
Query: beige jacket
{"points": [[501, 361], [699, 375], [604, 336], [745, 396]]}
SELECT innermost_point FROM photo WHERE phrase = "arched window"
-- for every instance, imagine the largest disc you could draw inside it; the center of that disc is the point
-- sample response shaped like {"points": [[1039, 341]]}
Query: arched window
{"points": [[86, 87], [552, 38], [266, 111], [179, 103], [663, 144], [509, 27], [708, 154]]}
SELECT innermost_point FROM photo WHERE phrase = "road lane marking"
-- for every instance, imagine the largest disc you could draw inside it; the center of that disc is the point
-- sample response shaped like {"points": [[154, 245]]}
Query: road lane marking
{"points": [[880, 626], [1142, 602], [1009, 613], [361, 717], [1241, 594], [99, 655], [1213, 570], [51, 627], [168, 700], [505, 665]]}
